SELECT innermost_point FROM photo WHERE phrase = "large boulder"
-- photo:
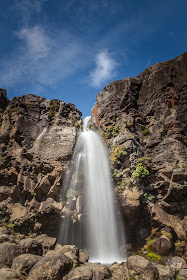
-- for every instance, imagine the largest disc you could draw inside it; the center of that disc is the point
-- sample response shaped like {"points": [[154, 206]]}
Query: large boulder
{"points": [[176, 263], [119, 271], [89, 272], [70, 251], [51, 267], [23, 263], [139, 266], [165, 272], [48, 243], [8, 274], [9, 251], [31, 246]]}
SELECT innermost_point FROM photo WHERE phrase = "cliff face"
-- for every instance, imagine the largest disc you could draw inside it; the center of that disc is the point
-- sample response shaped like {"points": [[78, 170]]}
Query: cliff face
{"points": [[143, 121], [37, 137]]}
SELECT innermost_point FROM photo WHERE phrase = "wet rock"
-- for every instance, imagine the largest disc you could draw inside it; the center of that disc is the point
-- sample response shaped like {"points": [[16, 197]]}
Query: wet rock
{"points": [[83, 257], [53, 267], [31, 246], [9, 251], [23, 263], [8, 274]]}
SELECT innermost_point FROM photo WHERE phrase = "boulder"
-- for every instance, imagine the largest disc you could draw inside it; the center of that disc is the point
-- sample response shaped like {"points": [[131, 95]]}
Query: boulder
{"points": [[3, 230], [6, 237], [182, 274], [176, 263], [23, 263], [70, 251], [46, 241], [83, 257], [89, 272], [18, 211], [9, 251], [8, 274], [165, 272], [162, 245], [51, 267], [139, 266], [119, 271], [31, 246]]}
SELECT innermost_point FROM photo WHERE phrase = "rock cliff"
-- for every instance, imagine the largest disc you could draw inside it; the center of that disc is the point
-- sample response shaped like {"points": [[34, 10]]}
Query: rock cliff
{"points": [[37, 137], [143, 121]]}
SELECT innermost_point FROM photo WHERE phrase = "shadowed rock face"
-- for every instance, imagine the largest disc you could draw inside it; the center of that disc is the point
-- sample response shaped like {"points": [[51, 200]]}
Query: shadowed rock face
{"points": [[37, 137], [143, 121]]}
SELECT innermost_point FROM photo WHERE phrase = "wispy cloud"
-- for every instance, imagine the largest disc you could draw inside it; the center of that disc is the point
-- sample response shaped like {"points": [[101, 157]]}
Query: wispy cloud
{"points": [[37, 41], [28, 7], [42, 58], [104, 70]]}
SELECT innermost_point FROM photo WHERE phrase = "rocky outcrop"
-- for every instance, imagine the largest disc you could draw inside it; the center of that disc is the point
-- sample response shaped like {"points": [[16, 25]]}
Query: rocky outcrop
{"points": [[69, 262], [37, 137], [143, 122]]}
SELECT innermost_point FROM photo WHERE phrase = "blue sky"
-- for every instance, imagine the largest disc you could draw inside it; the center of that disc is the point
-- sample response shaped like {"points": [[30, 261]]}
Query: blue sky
{"points": [[71, 49]]}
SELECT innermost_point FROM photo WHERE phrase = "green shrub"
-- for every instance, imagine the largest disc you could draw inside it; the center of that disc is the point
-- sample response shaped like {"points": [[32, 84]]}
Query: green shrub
{"points": [[149, 197], [140, 172], [71, 193], [121, 153], [54, 105], [51, 114], [115, 130], [118, 173], [153, 257], [108, 133], [145, 132]]}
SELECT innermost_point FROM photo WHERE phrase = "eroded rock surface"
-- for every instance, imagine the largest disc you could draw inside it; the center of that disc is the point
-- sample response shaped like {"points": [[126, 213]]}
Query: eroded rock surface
{"points": [[37, 137], [143, 122]]}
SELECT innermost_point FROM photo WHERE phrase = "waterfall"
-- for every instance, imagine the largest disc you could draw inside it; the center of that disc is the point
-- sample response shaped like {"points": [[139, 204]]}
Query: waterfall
{"points": [[98, 228]]}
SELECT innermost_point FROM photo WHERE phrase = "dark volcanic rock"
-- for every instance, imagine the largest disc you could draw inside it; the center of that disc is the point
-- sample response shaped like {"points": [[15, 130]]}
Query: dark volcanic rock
{"points": [[37, 138], [23, 263], [8, 274], [52, 267], [9, 251], [143, 121], [90, 272]]}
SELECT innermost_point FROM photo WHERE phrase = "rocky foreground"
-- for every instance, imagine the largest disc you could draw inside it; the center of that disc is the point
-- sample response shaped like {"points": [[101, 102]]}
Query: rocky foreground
{"points": [[41, 258]]}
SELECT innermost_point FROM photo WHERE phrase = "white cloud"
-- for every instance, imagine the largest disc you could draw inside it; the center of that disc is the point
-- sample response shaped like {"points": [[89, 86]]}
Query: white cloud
{"points": [[37, 41], [104, 69], [42, 59]]}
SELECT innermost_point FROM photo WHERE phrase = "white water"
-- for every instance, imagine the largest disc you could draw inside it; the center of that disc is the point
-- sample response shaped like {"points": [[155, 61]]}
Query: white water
{"points": [[101, 231]]}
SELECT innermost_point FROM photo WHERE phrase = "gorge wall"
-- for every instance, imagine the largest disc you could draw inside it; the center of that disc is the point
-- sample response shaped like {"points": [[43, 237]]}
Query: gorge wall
{"points": [[143, 121], [37, 138]]}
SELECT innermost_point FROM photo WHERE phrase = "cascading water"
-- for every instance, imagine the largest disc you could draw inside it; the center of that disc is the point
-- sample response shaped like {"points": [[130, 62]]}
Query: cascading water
{"points": [[89, 179]]}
